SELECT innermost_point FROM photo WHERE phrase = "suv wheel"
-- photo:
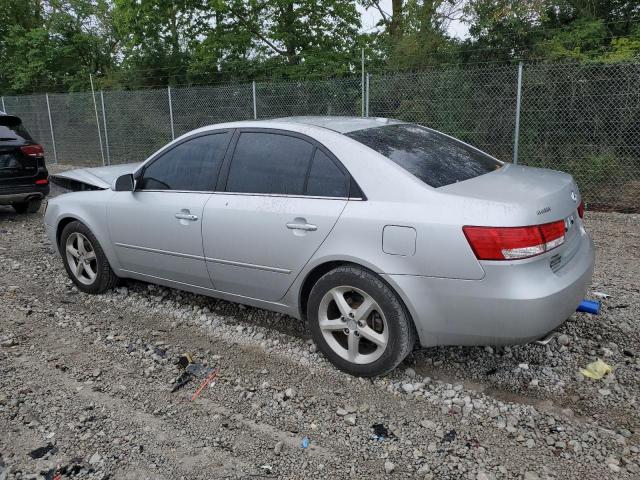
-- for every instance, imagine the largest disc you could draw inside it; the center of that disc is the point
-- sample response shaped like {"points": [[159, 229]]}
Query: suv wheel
{"points": [[30, 206], [359, 323], [84, 259]]}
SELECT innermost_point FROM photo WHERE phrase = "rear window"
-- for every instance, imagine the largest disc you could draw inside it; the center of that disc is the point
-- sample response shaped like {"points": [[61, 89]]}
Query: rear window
{"points": [[434, 158], [11, 130]]}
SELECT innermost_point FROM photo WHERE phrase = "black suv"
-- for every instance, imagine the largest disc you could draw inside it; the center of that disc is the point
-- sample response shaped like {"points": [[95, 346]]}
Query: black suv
{"points": [[23, 176]]}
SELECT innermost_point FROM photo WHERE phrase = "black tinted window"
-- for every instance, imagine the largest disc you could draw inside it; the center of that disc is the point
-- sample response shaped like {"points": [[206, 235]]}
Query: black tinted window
{"points": [[11, 130], [326, 179], [269, 163], [434, 158], [192, 165]]}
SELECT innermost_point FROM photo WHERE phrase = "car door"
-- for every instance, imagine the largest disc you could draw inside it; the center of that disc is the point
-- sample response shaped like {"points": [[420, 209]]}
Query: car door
{"points": [[283, 195], [157, 229]]}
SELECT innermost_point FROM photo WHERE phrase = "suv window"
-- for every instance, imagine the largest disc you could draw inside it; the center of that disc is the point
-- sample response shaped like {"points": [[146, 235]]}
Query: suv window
{"points": [[434, 158], [269, 163], [325, 178], [192, 166], [12, 130]]}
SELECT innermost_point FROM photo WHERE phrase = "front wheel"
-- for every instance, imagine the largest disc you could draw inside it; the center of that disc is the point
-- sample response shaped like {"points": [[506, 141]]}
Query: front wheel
{"points": [[358, 322], [84, 259]]}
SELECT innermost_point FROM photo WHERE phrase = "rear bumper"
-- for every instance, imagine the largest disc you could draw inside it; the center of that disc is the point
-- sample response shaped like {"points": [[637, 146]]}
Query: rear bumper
{"points": [[512, 304], [22, 193]]}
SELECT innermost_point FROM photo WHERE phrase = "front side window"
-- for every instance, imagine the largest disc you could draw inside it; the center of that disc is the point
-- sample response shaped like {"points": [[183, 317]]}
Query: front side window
{"points": [[434, 158], [269, 163], [191, 166]]}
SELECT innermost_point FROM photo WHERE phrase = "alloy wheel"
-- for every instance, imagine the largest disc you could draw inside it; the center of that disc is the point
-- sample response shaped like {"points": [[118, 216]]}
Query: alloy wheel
{"points": [[81, 258], [353, 324]]}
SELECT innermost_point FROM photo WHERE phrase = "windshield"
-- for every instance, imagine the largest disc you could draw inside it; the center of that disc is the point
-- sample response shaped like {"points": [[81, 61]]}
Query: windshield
{"points": [[434, 158]]}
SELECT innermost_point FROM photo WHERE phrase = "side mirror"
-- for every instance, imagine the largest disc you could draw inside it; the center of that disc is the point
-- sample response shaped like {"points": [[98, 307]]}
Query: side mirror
{"points": [[125, 183]]}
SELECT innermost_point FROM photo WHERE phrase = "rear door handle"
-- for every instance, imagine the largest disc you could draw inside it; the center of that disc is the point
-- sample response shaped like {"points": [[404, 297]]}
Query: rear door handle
{"points": [[307, 227], [186, 216]]}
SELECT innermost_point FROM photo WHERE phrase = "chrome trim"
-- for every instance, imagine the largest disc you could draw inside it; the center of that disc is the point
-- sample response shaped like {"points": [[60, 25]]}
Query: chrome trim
{"points": [[248, 265], [315, 197], [162, 252]]}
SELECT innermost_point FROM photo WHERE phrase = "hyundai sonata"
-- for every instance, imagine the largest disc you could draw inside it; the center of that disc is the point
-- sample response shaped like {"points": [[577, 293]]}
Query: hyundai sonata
{"points": [[382, 235]]}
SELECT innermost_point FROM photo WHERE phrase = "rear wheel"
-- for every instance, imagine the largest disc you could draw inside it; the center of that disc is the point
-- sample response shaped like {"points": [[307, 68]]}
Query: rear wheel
{"points": [[84, 259], [30, 206], [358, 322]]}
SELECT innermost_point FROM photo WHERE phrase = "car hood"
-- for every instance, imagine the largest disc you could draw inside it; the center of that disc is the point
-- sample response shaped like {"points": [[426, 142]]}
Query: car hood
{"points": [[100, 177]]}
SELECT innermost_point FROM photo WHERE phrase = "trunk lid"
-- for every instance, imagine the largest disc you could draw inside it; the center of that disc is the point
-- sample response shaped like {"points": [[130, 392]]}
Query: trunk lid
{"points": [[15, 166], [541, 195]]}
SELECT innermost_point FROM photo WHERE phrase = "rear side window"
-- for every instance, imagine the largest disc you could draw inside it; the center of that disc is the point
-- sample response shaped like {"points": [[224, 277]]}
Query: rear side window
{"points": [[191, 166], [12, 130], [325, 178], [434, 158], [269, 163]]}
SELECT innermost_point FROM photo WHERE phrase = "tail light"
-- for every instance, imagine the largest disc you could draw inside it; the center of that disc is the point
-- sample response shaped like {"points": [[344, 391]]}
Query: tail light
{"points": [[509, 243], [42, 181], [33, 150], [581, 209]]}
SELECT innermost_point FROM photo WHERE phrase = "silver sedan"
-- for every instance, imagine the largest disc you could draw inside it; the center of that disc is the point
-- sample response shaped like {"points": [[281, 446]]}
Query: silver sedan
{"points": [[382, 235]]}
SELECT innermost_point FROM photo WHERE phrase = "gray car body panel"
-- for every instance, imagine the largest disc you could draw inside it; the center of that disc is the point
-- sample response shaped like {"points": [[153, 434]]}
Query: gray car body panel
{"points": [[452, 297]]}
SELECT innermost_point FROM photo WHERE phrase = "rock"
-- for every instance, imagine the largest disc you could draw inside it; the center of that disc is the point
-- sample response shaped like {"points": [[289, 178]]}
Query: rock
{"points": [[423, 470], [614, 468], [278, 448], [408, 387], [428, 424], [564, 340], [523, 366], [350, 419], [531, 476], [389, 467], [290, 393], [604, 392], [410, 372], [95, 458], [341, 412]]}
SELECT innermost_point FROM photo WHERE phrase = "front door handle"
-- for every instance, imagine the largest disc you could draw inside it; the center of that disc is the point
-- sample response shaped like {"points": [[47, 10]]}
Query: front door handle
{"points": [[186, 216], [307, 227]]}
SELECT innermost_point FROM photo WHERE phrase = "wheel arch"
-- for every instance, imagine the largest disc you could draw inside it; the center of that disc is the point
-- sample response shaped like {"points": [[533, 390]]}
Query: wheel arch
{"points": [[322, 268]]}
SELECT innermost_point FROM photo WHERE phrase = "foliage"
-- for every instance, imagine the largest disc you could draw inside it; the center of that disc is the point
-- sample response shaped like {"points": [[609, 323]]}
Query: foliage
{"points": [[53, 45]]}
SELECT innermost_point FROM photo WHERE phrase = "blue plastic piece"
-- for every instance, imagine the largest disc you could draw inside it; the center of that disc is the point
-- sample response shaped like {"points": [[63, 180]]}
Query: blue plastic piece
{"points": [[305, 442], [589, 306]]}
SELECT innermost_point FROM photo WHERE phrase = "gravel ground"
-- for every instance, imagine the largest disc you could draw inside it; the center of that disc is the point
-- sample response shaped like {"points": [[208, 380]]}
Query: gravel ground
{"points": [[88, 380]]}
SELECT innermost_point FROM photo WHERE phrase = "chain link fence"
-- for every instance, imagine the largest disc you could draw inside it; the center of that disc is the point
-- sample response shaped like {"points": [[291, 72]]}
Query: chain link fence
{"points": [[579, 118]]}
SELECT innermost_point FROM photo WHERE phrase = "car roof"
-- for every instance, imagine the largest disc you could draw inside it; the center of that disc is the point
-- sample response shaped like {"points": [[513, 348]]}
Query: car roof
{"points": [[340, 124]]}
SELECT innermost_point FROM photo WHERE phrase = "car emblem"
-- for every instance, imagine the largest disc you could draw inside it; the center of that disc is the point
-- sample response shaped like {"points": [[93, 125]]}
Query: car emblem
{"points": [[574, 197]]}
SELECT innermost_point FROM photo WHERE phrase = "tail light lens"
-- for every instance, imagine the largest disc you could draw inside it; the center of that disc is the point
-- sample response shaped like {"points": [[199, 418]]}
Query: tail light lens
{"points": [[33, 150], [42, 181], [581, 209], [509, 243]]}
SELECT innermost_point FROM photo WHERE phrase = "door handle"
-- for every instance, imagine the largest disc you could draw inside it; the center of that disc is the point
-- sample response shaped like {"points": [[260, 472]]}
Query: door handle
{"points": [[186, 216], [307, 227]]}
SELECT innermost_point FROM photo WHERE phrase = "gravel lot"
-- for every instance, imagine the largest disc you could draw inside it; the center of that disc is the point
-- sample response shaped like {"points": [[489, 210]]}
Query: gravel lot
{"points": [[89, 378]]}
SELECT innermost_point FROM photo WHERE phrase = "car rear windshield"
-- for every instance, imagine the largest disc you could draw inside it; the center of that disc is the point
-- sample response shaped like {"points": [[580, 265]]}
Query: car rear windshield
{"points": [[434, 158], [11, 130]]}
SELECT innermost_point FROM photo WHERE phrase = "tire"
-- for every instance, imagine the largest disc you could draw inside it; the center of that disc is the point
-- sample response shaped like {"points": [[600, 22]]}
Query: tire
{"points": [[388, 322], [103, 278], [30, 206]]}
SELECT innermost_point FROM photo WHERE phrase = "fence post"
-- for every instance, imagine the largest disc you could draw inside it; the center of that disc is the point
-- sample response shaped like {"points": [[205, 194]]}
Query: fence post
{"points": [[53, 138], [366, 111], [516, 133], [3, 107], [255, 107], [173, 133], [95, 106], [106, 134], [362, 80]]}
